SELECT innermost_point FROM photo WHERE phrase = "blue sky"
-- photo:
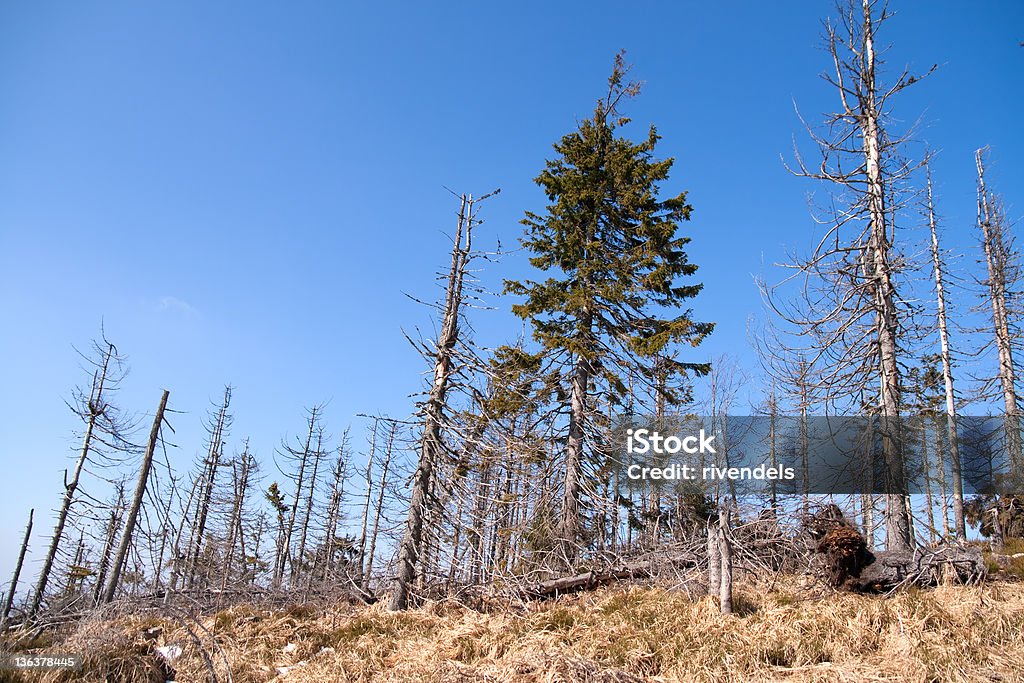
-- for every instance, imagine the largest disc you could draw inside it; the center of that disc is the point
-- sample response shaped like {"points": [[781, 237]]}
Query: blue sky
{"points": [[242, 193]]}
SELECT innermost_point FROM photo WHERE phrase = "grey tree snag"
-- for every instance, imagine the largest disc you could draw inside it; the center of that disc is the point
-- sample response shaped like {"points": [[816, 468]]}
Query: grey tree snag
{"points": [[95, 407], [851, 312], [140, 492], [725, 554], [714, 561], [289, 529], [999, 261], [9, 600], [385, 468], [316, 454], [570, 525], [368, 476], [236, 535], [431, 446], [209, 480], [880, 271], [113, 527], [959, 524]]}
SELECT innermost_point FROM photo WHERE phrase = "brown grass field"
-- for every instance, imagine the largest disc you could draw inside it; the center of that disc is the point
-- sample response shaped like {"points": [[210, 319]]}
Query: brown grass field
{"points": [[614, 635]]}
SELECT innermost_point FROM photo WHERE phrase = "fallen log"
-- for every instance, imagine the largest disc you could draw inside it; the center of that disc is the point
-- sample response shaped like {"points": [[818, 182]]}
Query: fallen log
{"points": [[923, 567], [643, 569]]}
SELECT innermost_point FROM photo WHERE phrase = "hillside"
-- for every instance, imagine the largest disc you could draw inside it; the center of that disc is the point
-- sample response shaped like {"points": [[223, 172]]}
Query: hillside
{"points": [[617, 634]]}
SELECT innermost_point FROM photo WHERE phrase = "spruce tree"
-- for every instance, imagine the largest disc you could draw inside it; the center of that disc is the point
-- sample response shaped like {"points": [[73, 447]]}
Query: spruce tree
{"points": [[614, 303]]}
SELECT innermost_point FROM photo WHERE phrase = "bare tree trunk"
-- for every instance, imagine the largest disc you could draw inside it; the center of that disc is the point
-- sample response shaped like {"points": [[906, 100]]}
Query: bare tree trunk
{"points": [[334, 511], [178, 559], [959, 523], [881, 276], [714, 560], [96, 407], [431, 445], [317, 454], [725, 553], [165, 529], [303, 455], [385, 468], [140, 492], [235, 534], [9, 600], [571, 525], [368, 476], [212, 464], [997, 259], [113, 526]]}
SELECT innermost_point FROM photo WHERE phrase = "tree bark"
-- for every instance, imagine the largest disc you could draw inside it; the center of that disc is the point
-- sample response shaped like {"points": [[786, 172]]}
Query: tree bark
{"points": [[431, 445], [570, 526], [209, 481], [725, 553], [959, 523], [95, 410], [997, 260], [714, 561], [9, 600], [385, 467], [883, 289], [133, 511]]}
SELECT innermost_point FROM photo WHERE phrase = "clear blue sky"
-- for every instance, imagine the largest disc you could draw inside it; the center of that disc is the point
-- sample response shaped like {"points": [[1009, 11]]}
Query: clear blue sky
{"points": [[242, 192]]}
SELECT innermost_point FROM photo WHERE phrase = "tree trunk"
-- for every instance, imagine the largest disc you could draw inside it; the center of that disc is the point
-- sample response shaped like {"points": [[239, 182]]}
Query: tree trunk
{"points": [[431, 446], [884, 293], [571, 525], [235, 532], [725, 553], [997, 262], [959, 523], [285, 555], [212, 464], [113, 526], [364, 533], [385, 467], [317, 453], [133, 511], [9, 600], [714, 561], [95, 410]]}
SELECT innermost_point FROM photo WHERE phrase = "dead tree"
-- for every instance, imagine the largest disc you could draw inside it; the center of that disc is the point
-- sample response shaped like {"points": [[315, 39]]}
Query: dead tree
{"points": [[725, 555], [853, 320], [334, 508], [368, 476], [434, 408], [301, 456], [133, 511], [9, 600], [316, 455], [714, 560], [378, 511], [103, 425], [938, 270], [110, 540], [1004, 274], [217, 430], [242, 470]]}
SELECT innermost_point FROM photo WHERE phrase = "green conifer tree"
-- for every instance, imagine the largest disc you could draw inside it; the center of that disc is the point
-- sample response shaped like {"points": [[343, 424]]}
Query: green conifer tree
{"points": [[614, 302]]}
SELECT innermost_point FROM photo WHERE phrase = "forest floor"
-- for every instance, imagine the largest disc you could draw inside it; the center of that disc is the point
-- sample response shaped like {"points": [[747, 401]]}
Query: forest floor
{"points": [[620, 634]]}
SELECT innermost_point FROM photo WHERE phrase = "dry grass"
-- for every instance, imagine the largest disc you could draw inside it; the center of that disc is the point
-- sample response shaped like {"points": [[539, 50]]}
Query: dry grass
{"points": [[616, 635]]}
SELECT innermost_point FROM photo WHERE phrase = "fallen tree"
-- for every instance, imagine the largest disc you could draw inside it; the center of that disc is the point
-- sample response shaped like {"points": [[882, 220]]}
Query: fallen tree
{"points": [[641, 569], [843, 559]]}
